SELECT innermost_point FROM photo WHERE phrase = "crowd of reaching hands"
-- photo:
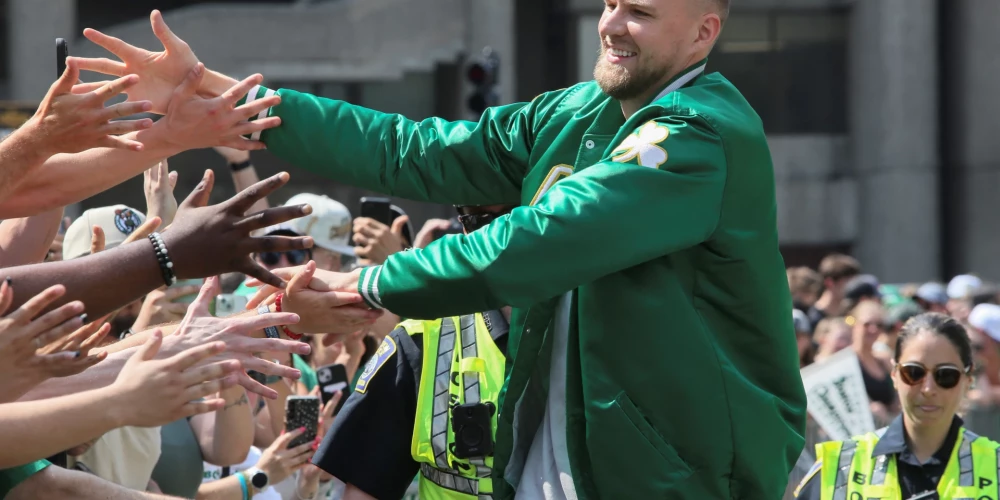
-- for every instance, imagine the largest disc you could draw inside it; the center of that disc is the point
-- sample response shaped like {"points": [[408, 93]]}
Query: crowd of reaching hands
{"points": [[70, 370]]}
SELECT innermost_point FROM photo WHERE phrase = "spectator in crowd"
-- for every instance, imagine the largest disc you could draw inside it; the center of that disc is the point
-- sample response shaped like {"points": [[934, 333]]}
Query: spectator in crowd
{"points": [[866, 320], [806, 286], [960, 290], [932, 297], [984, 320], [803, 337], [832, 335], [920, 454], [836, 270], [896, 316], [861, 288]]}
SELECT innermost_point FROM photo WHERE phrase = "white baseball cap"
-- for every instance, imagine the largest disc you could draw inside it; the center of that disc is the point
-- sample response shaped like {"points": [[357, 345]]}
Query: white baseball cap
{"points": [[986, 317], [962, 285], [329, 224], [117, 221]]}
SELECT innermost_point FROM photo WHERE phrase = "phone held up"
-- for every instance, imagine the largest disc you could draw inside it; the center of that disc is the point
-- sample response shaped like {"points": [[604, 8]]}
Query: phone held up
{"points": [[302, 411], [376, 208], [62, 52], [332, 378]]}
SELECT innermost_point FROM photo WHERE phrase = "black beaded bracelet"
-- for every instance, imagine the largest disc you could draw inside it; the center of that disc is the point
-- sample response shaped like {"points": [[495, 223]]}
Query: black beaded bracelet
{"points": [[166, 265], [236, 167]]}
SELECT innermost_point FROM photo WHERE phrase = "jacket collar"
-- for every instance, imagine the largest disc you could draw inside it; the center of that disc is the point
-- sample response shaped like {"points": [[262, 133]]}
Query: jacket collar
{"points": [[681, 79], [893, 442]]}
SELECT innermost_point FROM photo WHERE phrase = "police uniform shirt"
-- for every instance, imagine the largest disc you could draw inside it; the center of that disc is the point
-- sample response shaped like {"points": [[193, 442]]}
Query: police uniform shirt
{"points": [[369, 443], [914, 477]]}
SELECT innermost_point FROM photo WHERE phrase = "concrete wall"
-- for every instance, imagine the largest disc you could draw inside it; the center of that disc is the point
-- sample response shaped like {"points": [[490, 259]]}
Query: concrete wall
{"points": [[973, 159], [33, 28]]}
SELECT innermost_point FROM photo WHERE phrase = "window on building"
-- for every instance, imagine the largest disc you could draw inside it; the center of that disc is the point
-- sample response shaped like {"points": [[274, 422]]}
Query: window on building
{"points": [[790, 65]]}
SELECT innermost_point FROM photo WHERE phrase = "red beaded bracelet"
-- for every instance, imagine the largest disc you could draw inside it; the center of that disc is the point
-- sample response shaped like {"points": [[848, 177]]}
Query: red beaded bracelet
{"points": [[277, 306]]}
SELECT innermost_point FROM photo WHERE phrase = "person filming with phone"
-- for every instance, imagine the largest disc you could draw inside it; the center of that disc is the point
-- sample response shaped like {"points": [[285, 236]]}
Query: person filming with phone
{"points": [[926, 452]]}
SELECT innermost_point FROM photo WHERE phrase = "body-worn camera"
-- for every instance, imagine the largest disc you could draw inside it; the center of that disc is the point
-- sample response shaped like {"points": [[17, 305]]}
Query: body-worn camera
{"points": [[473, 428]]}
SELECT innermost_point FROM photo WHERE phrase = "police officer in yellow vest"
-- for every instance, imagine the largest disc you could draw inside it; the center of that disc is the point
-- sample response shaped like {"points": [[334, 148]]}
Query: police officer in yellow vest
{"points": [[926, 452], [425, 405]]}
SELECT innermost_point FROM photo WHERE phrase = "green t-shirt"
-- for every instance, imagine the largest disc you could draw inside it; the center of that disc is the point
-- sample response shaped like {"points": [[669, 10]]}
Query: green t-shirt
{"points": [[10, 478]]}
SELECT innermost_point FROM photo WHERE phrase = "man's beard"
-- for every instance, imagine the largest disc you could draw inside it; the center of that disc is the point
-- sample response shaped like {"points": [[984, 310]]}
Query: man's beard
{"points": [[619, 83]]}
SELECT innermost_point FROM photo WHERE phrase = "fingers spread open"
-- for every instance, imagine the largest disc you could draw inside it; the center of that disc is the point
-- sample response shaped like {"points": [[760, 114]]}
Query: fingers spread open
{"points": [[114, 45], [270, 368], [272, 216], [253, 269], [201, 193], [36, 304], [255, 387], [186, 359], [101, 65]]}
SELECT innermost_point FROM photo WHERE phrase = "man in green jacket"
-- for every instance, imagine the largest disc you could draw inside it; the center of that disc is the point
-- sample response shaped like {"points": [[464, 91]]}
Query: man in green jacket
{"points": [[651, 349]]}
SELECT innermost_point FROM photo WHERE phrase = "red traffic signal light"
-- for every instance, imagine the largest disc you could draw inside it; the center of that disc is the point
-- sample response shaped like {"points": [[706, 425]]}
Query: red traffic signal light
{"points": [[477, 74]]}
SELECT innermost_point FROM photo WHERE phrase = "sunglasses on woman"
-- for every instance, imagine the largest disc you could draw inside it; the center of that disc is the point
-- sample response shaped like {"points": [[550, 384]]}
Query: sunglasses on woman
{"points": [[945, 376], [295, 257]]}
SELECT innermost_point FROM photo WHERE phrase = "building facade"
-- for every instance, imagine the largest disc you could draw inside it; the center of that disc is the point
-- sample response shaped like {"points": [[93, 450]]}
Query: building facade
{"points": [[878, 112]]}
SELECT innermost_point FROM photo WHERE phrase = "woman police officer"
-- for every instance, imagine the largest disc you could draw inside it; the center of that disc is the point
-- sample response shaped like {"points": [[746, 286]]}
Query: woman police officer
{"points": [[925, 452]]}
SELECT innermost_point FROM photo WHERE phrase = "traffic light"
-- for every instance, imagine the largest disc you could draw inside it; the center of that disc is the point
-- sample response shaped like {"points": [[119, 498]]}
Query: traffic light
{"points": [[483, 74]]}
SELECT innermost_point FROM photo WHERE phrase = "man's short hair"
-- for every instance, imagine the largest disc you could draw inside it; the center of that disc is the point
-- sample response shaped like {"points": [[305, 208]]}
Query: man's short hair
{"points": [[722, 7], [802, 280], [837, 266]]}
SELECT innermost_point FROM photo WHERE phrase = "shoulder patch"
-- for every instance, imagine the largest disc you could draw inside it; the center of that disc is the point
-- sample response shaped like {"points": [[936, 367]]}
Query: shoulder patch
{"points": [[818, 466], [383, 354], [642, 146]]}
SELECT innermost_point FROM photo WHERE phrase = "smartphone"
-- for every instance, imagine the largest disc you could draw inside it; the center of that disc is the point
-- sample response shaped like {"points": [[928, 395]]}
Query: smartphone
{"points": [[302, 411], [332, 378], [228, 304], [379, 209], [62, 52]]}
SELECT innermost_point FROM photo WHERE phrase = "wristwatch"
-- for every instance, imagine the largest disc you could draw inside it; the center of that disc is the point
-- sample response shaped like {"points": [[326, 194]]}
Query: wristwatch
{"points": [[257, 478]]}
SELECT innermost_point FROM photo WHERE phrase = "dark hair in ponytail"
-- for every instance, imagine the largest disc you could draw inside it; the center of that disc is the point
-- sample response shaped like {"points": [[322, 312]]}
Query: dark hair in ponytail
{"points": [[939, 324]]}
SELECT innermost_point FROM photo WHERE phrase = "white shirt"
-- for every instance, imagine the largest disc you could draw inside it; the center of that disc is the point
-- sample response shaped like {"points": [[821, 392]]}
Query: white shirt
{"points": [[546, 472]]}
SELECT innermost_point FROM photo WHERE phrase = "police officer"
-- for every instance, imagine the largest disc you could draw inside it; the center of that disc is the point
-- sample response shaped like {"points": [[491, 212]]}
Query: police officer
{"points": [[925, 453], [398, 423]]}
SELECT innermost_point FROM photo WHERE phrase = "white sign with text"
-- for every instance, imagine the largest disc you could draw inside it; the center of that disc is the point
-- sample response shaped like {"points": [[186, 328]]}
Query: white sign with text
{"points": [[836, 396]]}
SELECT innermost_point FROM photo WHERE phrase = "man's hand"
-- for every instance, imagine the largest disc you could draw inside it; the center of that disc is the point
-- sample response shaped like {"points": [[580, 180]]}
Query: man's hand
{"points": [[330, 311], [150, 392], [68, 122], [376, 241], [158, 183], [212, 240], [24, 339], [200, 327], [161, 72]]}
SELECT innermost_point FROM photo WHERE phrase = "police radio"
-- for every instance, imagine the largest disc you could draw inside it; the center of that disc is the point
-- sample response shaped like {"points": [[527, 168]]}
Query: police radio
{"points": [[472, 424]]}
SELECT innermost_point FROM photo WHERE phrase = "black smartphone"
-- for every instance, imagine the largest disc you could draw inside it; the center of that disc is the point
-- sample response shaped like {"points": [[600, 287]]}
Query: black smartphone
{"points": [[332, 378], [302, 411], [454, 228], [379, 209], [62, 52]]}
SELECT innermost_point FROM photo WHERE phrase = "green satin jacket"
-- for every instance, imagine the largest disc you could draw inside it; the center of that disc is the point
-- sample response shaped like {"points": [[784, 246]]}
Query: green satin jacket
{"points": [[682, 376]]}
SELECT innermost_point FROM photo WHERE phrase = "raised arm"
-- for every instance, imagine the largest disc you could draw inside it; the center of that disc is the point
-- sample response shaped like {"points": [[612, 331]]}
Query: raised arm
{"points": [[190, 122], [27, 240], [203, 241], [458, 162], [629, 208]]}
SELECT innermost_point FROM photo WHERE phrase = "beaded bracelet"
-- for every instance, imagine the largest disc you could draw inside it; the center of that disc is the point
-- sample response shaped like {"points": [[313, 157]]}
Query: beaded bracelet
{"points": [[277, 306], [166, 265], [270, 332]]}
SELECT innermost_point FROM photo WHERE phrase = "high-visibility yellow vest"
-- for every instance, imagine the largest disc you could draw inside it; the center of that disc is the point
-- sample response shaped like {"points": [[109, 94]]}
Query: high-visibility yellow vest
{"points": [[461, 365], [849, 472]]}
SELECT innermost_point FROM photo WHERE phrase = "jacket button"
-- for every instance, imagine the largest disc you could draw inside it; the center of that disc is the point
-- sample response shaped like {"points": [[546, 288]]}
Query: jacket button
{"points": [[589, 144]]}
